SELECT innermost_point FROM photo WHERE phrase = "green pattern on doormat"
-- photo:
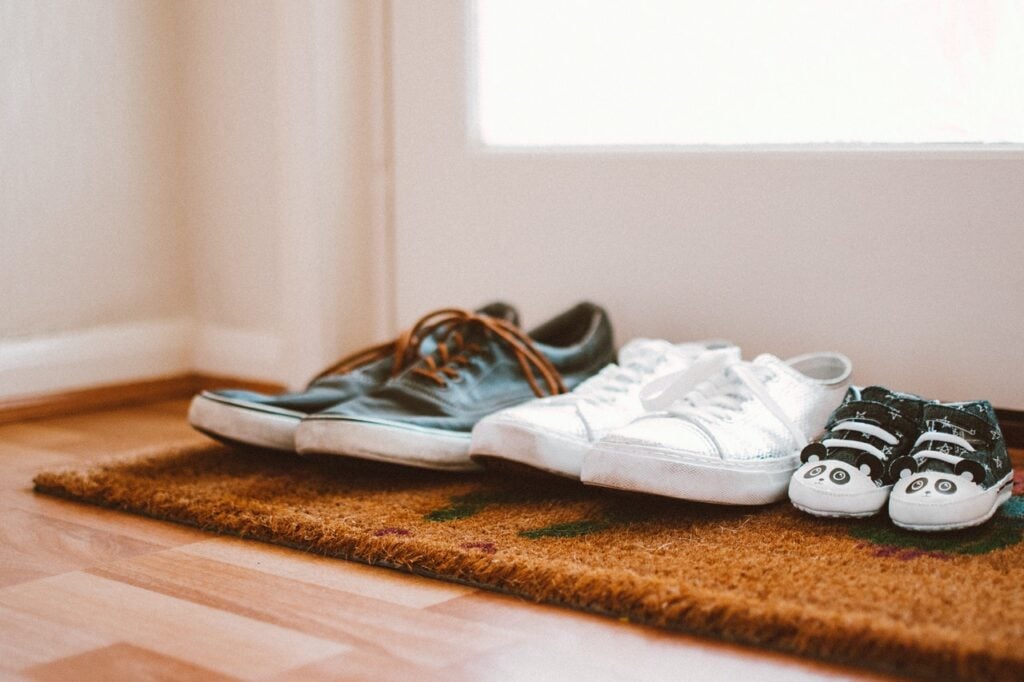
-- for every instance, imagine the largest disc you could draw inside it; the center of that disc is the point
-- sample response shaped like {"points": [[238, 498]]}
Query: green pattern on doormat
{"points": [[1004, 530], [474, 502]]}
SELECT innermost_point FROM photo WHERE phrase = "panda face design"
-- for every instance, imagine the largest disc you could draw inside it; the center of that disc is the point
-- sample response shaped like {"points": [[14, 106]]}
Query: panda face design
{"points": [[942, 485], [828, 473], [839, 476], [917, 485], [816, 470]]}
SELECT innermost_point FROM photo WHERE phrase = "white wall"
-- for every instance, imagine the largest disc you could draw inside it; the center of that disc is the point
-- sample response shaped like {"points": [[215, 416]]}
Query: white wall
{"points": [[278, 182], [907, 262], [185, 185], [88, 193], [206, 185]]}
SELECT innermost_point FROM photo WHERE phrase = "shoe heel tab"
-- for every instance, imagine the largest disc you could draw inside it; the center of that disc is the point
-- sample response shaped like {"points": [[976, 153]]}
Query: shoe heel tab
{"points": [[580, 324], [828, 368], [500, 310]]}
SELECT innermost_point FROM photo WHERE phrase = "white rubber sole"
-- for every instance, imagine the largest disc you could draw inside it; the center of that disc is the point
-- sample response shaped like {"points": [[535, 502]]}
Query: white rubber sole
{"points": [[667, 473], [823, 502], [386, 442], [915, 516], [835, 514], [244, 422], [536, 449]]}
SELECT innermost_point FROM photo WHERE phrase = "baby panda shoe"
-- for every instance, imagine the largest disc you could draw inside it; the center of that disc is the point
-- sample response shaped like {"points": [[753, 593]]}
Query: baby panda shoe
{"points": [[846, 472], [958, 472]]}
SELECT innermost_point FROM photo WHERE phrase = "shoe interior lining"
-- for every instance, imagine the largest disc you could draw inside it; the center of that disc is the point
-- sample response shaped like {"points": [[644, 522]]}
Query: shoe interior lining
{"points": [[569, 328], [828, 368]]}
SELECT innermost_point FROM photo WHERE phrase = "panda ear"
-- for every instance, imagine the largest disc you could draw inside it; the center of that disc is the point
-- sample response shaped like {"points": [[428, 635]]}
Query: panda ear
{"points": [[971, 468], [870, 465], [903, 466], [813, 452]]}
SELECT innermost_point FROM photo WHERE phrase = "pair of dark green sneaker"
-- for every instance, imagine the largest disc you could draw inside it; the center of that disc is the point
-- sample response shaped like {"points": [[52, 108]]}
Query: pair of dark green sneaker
{"points": [[415, 400], [934, 466]]}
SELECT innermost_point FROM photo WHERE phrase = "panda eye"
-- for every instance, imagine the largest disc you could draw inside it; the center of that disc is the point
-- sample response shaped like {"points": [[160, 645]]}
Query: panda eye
{"points": [[839, 477], [945, 486], [917, 484], [815, 471]]}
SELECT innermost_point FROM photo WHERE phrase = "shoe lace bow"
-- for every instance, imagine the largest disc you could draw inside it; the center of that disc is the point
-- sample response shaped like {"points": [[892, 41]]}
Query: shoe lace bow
{"points": [[454, 349], [619, 378], [694, 396]]}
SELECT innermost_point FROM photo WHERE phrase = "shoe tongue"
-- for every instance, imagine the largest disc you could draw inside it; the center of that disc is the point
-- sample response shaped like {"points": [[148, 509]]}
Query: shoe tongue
{"points": [[908, 405], [469, 333], [768, 360], [876, 393], [639, 349], [502, 311], [883, 394]]}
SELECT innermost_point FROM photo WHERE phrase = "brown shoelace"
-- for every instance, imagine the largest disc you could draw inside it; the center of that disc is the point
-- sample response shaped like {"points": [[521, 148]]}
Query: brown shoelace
{"points": [[445, 363], [404, 349], [401, 349]]}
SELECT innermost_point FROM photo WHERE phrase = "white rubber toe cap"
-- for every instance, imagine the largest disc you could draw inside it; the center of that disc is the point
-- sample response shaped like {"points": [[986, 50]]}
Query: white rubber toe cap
{"points": [[933, 500], [835, 488], [243, 421], [550, 450], [559, 419], [666, 434]]}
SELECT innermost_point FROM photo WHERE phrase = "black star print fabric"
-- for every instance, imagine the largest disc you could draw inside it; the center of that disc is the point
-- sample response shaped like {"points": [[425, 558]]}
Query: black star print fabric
{"points": [[975, 422], [898, 414]]}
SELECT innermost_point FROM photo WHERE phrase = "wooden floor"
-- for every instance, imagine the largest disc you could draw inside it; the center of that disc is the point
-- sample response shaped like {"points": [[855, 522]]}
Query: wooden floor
{"points": [[87, 593]]}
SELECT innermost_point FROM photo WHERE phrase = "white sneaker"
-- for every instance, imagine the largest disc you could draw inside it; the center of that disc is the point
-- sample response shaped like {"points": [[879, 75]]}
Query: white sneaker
{"points": [[734, 439], [553, 434]]}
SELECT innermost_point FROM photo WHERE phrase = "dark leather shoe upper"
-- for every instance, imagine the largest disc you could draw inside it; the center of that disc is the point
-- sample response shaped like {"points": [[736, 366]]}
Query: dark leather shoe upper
{"points": [[342, 381], [481, 373]]}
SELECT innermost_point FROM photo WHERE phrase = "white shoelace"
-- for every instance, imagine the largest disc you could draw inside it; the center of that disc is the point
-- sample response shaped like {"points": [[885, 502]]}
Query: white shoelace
{"points": [[946, 457], [615, 379], [869, 429], [716, 397], [671, 388]]}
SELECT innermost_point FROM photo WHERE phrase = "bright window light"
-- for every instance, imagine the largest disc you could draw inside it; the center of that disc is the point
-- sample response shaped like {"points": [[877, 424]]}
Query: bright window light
{"points": [[749, 72]]}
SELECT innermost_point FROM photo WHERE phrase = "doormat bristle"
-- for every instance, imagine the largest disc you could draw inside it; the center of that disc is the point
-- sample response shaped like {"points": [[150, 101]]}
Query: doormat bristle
{"points": [[864, 593]]}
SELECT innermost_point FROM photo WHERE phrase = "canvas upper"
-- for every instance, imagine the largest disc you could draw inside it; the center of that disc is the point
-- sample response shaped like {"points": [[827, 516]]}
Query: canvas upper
{"points": [[751, 411], [336, 385], [732, 439], [479, 372], [554, 434], [611, 398], [958, 440], [867, 432]]}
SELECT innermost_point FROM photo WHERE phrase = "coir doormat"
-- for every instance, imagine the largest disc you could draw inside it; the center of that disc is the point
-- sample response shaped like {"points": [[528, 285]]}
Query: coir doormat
{"points": [[863, 592]]}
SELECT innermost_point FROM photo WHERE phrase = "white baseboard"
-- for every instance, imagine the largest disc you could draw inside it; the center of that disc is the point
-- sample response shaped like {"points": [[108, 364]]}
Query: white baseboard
{"points": [[96, 356], [241, 353]]}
